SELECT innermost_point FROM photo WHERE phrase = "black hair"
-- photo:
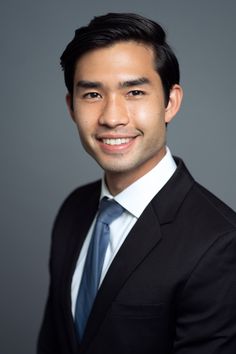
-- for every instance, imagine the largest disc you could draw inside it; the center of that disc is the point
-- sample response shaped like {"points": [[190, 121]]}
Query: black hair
{"points": [[104, 31]]}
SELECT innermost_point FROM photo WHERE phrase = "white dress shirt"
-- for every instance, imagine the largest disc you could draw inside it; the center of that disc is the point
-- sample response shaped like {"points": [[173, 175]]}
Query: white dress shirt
{"points": [[134, 200]]}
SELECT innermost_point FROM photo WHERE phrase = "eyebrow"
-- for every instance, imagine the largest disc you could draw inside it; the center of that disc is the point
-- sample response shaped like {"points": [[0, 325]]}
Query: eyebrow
{"points": [[85, 84], [88, 84], [135, 82]]}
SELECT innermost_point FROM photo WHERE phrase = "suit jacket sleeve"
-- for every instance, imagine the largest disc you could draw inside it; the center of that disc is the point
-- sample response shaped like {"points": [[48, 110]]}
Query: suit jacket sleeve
{"points": [[206, 312], [46, 338]]}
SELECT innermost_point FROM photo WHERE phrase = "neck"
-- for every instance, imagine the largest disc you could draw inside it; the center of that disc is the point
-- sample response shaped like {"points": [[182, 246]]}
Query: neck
{"points": [[116, 183]]}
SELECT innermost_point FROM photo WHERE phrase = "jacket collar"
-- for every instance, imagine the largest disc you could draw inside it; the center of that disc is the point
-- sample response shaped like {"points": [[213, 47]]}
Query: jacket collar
{"points": [[168, 201]]}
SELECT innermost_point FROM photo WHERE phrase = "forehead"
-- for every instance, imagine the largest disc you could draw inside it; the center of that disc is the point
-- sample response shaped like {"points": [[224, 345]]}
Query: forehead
{"points": [[129, 57]]}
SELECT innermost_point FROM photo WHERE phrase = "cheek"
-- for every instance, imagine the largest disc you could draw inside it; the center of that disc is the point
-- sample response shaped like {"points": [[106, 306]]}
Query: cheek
{"points": [[148, 117], [83, 120]]}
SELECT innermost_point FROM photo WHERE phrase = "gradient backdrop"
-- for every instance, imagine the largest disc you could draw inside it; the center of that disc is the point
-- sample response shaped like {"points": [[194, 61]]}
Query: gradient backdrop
{"points": [[41, 157]]}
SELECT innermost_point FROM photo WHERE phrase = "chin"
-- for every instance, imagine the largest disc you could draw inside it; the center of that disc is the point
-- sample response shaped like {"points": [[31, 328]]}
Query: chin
{"points": [[120, 167]]}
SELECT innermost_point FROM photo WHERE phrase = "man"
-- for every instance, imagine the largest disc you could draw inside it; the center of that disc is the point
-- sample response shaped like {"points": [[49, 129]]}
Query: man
{"points": [[165, 280]]}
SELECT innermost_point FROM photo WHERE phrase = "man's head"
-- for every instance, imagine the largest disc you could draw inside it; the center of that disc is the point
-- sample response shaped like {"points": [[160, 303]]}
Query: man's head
{"points": [[122, 81], [104, 31]]}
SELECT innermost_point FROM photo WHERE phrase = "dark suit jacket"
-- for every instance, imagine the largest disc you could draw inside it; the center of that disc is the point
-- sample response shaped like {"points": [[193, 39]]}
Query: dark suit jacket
{"points": [[170, 289]]}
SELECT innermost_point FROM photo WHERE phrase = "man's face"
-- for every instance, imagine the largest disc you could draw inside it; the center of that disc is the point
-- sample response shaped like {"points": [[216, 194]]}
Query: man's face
{"points": [[119, 109]]}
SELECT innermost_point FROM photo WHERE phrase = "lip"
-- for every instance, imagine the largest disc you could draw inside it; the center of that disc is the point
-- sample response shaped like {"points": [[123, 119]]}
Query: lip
{"points": [[116, 144]]}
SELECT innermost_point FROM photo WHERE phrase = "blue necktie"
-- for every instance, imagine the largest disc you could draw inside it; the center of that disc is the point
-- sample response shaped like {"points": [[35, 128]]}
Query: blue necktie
{"points": [[108, 211]]}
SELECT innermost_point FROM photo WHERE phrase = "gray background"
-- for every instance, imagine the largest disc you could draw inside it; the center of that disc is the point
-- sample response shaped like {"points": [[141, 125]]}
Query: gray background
{"points": [[41, 157]]}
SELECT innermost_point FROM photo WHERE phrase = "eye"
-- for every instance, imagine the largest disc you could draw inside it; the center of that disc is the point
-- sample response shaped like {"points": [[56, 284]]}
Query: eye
{"points": [[92, 95], [136, 93]]}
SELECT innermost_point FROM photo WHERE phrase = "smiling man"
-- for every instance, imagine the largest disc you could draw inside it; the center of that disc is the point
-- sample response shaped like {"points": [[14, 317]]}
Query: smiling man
{"points": [[143, 261]]}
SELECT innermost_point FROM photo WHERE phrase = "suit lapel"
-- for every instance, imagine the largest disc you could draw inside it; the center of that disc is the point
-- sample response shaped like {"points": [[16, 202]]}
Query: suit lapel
{"points": [[85, 212], [170, 198], [138, 243], [73, 254]]}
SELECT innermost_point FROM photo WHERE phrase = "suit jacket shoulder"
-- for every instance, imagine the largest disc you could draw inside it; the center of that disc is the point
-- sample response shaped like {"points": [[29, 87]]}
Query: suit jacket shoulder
{"points": [[80, 201], [221, 209], [80, 196], [182, 194]]}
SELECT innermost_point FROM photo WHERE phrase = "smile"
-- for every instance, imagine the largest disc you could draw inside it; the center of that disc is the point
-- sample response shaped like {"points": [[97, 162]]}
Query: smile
{"points": [[118, 141]]}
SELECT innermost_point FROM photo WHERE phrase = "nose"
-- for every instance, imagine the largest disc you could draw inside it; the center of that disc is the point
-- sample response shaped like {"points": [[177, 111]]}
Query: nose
{"points": [[114, 112]]}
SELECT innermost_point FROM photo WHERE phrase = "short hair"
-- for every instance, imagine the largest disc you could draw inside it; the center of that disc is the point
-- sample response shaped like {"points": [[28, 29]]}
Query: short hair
{"points": [[104, 31]]}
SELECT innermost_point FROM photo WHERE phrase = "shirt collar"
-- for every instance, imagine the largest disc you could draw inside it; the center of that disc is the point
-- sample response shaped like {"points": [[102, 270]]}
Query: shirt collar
{"points": [[138, 195]]}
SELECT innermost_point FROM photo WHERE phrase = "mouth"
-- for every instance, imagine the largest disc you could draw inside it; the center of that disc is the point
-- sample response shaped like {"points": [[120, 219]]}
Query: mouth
{"points": [[116, 145], [116, 141]]}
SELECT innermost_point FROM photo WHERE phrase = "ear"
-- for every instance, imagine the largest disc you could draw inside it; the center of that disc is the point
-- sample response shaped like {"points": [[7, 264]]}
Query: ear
{"points": [[69, 103], [175, 99]]}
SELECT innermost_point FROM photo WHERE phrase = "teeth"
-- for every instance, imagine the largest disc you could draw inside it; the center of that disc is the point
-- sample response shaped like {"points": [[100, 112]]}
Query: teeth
{"points": [[118, 141]]}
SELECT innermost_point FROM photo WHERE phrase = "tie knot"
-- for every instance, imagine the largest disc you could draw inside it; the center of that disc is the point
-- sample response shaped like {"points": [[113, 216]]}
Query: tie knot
{"points": [[109, 210]]}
